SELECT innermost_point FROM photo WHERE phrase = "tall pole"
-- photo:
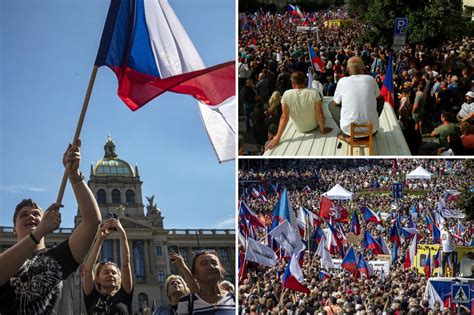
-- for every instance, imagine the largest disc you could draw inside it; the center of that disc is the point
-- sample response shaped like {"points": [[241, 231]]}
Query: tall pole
{"points": [[78, 128]]}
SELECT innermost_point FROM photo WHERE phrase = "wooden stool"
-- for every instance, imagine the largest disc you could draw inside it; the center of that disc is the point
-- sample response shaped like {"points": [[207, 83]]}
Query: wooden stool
{"points": [[366, 141]]}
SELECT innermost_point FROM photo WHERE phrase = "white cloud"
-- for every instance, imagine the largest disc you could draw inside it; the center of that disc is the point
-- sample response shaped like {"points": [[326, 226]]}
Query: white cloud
{"points": [[226, 224], [15, 189]]}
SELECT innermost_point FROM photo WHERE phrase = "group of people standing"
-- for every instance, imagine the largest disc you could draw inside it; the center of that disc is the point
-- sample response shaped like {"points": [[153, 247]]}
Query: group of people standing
{"points": [[32, 276]]}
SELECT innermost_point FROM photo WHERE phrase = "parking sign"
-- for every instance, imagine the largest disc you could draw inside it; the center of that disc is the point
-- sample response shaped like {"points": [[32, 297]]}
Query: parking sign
{"points": [[401, 25], [397, 190]]}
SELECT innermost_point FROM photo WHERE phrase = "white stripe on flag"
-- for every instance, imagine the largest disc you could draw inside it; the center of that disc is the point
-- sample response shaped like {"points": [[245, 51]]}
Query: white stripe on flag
{"points": [[173, 49]]}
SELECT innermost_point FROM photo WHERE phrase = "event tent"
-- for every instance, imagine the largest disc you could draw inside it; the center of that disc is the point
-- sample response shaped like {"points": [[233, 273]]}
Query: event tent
{"points": [[339, 193], [419, 173]]}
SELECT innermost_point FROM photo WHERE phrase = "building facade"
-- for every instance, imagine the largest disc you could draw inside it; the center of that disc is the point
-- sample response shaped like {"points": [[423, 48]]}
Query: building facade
{"points": [[117, 188]]}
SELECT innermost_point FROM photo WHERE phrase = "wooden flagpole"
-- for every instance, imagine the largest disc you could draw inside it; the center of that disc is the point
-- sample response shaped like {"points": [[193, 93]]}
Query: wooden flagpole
{"points": [[80, 122]]}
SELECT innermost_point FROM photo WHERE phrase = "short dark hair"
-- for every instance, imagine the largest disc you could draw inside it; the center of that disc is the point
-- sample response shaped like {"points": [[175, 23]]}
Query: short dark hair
{"points": [[298, 77], [24, 203]]}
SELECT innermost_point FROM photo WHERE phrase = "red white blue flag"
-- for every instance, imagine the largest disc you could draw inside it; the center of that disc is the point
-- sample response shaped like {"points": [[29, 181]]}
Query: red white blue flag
{"points": [[387, 88]]}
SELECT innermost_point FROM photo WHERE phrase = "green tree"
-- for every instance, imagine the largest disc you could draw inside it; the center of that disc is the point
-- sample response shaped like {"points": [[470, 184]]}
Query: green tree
{"points": [[430, 22]]}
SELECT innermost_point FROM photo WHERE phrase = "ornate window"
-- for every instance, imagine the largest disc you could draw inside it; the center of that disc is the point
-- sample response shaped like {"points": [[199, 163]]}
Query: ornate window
{"points": [[101, 197], [139, 260], [107, 251], [116, 197], [158, 251], [130, 197], [160, 275]]}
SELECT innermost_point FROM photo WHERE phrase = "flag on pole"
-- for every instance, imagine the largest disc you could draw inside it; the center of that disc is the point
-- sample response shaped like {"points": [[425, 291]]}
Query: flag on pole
{"points": [[293, 9], [260, 253], [284, 211], [316, 61], [323, 275], [355, 224], [147, 48], [436, 259], [363, 267], [436, 234], [350, 261], [287, 237], [394, 254], [427, 266], [323, 252], [387, 88], [293, 276], [411, 253], [369, 215], [370, 243]]}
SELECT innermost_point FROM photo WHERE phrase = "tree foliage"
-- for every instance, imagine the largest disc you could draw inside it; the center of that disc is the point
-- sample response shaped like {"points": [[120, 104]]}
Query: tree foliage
{"points": [[430, 22]]}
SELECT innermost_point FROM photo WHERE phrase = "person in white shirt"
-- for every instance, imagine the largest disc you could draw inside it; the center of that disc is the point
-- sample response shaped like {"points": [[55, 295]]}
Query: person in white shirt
{"points": [[355, 99], [447, 247], [303, 105], [467, 109]]}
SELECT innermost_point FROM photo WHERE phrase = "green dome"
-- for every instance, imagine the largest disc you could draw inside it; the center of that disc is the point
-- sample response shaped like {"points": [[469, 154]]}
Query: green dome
{"points": [[110, 165]]}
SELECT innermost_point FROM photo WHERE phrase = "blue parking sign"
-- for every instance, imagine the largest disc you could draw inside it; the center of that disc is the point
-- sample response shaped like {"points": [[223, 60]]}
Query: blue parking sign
{"points": [[397, 190], [401, 25]]}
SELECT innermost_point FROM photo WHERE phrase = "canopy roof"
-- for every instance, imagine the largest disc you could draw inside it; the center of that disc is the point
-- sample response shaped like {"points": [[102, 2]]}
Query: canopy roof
{"points": [[339, 193], [419, 173]]}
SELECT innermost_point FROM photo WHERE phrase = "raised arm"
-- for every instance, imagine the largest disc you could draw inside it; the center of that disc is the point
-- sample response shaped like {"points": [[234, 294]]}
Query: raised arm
{"points": [[126, 270], [13, 258], [82, 237], [285, 116], [87, 275], [187, 275]]}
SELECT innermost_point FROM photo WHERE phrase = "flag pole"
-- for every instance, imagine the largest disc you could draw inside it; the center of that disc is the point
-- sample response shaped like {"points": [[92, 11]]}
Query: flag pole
{"points": [[80, 122]]}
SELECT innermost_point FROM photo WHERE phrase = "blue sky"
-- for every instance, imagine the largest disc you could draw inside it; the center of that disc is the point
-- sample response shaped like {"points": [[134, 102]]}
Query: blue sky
{"points": [[47, 50]]}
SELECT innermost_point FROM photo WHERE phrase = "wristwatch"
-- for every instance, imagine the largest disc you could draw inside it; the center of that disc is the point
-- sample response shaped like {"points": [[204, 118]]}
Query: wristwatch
{"points": [[76, 178]]}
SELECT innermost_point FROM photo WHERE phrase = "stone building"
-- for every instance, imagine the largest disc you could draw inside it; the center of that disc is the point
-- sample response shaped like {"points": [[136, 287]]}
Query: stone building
{"points": [[117, 187]]}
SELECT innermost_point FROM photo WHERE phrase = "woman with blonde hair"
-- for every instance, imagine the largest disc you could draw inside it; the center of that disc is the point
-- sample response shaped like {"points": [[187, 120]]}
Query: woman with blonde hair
{"points": [[107, 288]]}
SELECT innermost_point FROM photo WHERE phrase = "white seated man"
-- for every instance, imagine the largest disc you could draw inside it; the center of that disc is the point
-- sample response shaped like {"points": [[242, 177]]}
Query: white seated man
{"points": [[355, 99], [303, 105]]}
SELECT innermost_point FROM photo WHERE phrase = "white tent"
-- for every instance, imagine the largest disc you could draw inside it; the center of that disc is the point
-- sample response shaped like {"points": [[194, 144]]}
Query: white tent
{"points": [[339, 193], [419, 173]]}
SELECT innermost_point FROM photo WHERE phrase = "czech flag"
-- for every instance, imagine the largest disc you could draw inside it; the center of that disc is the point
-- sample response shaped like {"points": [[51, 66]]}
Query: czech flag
{"points": [[315, 59], [350, 261], [293, 9], [427, 266], [436, 259], [369, 215], [355, 224], [323, 275], [387, 88], [284, 211], [436, 235], [394, 236], [370, 243], [363, 267], [245, 212], [394, 254], [146, 46], [293, 276]]}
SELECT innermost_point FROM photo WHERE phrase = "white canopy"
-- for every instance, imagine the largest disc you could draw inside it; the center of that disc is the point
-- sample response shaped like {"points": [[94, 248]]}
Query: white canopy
{"points": [[419, 173], [338, 193]]}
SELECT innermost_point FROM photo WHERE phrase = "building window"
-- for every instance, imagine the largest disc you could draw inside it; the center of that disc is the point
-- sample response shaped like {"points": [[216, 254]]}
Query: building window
{"points": [[160, 275], [184, 253], [130, 196], [107, 251], [223, 255], [116, 197], [158, 251], [139, 261], [101, 197]]}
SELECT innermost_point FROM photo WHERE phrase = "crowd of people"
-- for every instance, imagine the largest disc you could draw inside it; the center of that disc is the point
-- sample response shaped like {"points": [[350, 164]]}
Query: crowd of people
{"points": [[35, 279], [402, 290], [433, 88]]}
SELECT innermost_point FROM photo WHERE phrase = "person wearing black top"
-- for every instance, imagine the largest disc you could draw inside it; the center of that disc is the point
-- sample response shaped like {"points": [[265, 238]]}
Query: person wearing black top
{"points": [[108, 289], [31, 275]]}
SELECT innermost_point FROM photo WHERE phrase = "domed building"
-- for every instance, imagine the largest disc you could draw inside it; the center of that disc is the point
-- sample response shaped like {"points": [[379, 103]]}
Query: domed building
{"points": [[118, 190]]}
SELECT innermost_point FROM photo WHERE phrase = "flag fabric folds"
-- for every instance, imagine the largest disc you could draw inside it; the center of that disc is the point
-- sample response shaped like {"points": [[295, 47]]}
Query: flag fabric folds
{"points": [[427, 266], [369, 215], [411, 253], [355, 224], [287, 237], [363, 267], [148, 49], [350, 261], [260, 253], [293, 276], [316, 61], [370, 243], [387, 88], [323, 275], [284, 211]]}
